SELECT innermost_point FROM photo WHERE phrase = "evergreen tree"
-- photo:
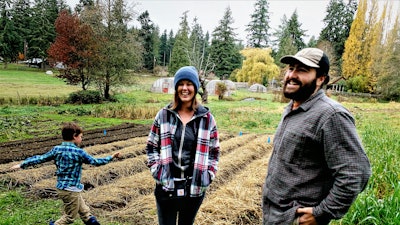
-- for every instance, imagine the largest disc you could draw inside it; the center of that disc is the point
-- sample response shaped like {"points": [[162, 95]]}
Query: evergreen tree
{"points": [[45, 13], [165, 48], [258, 27], [179, 55], [8, 35], [163, 52], [156, 46], [338, 22], [21, 13], [84, 4], [9, 42], [224, 52], [170, 46], [146, 34], [312, 43], [284, 42], [295, 32]]}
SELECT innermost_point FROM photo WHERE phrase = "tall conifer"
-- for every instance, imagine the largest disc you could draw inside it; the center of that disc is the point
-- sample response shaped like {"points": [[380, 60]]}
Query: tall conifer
{"points": [[258, 28], [179, 55], [224, 52]]}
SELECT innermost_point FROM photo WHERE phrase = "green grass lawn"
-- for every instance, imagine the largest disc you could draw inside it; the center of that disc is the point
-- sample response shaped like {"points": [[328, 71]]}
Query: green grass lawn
{"points": [[17, 82]]}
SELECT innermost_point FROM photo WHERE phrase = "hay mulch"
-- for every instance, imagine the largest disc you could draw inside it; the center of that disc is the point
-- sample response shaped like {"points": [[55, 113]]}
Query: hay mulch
{"points": [[121, 192], [241, 165]]}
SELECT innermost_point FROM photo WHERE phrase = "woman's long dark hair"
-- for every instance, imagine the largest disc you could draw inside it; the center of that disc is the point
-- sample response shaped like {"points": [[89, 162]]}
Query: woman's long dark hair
{"points": [[177, 103]]}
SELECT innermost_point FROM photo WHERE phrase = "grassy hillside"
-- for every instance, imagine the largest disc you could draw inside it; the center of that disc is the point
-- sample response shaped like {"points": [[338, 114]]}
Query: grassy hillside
{"points": [[20, 81]]}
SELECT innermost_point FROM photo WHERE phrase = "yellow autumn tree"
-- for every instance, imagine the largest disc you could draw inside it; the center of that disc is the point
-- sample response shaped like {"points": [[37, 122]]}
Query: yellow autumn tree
{"points": [[372, 50], [258, 66], [354, 66]]}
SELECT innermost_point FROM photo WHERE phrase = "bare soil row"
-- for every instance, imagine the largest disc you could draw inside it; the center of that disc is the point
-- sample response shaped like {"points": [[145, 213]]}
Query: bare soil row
{"points": [[122, 192], [19, 150]]}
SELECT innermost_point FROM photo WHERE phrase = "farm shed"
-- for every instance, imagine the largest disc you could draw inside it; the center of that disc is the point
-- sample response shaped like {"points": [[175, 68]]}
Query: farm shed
{"points": [[211, 87], [258, 88], [336, 85], [163, 85]]}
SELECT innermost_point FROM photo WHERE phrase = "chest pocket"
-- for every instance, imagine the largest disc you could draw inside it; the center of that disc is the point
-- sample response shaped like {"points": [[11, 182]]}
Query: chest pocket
{"points": [[301, 149]]}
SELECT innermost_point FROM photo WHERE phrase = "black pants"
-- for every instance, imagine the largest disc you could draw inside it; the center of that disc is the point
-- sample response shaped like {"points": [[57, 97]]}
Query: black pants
{"points": [[171, 208]]}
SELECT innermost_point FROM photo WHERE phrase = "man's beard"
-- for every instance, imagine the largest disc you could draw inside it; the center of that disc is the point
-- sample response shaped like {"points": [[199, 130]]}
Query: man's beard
{"points": [[304, 91]]}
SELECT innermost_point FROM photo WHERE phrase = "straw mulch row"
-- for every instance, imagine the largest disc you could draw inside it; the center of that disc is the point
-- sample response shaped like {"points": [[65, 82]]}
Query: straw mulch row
{"points": [[139, 205], [45, 173], [93, 150], [122, 191], [239, 201], [116, 193]]}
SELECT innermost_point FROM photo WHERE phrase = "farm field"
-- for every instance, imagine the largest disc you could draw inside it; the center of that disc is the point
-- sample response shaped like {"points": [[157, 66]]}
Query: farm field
{"points": [[121, 192]]}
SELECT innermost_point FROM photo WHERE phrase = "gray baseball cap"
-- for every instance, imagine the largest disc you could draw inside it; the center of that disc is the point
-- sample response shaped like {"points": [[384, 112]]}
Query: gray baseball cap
{"points": [[312, 57]]}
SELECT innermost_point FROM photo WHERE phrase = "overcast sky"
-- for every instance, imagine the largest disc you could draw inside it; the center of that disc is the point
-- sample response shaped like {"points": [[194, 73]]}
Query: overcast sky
{"points": [[167, 13]]}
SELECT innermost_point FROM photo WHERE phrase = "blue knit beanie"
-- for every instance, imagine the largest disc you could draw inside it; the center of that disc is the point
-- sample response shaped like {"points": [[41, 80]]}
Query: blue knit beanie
{"points": [[187, 73]]}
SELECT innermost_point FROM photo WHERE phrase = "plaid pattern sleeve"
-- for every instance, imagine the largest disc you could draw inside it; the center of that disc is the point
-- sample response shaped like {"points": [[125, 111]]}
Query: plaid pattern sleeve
{"points": [[37, 159], [159, 150], [207, 155], [158, 147], [68, 159], [318, 159], [153, 144]]}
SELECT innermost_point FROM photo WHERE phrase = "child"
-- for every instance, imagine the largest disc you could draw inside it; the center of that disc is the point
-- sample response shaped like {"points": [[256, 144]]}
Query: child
{"points": [[69, 158]]}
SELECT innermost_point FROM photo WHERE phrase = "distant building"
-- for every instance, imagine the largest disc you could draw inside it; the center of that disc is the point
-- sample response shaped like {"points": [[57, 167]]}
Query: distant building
{"points": [[258, 88], [211, 87], [163, 85]]}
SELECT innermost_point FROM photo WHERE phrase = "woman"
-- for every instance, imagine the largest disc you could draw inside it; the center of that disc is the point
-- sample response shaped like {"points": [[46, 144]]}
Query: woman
{"points": [[183, 152]]}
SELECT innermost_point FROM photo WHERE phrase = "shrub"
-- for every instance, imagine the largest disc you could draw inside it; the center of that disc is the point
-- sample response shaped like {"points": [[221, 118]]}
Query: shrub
{"points": [[85, 97], [221, 90]]}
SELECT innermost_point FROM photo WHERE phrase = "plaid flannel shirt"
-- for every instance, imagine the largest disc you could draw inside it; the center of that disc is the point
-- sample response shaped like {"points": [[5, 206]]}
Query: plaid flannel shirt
{"points": [[68, 159], [318, 160], [159, 150]]}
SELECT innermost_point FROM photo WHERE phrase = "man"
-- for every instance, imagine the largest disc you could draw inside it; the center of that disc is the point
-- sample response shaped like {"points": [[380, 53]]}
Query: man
{"points": [[318, 165]]}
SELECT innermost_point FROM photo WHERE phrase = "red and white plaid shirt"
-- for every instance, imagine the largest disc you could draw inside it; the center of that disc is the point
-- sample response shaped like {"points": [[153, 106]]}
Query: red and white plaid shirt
{"points": [[159, 149]]}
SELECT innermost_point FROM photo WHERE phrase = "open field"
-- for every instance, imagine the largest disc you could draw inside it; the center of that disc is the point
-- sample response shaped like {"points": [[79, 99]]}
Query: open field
{"points": [[120, 193], [31, 82]]}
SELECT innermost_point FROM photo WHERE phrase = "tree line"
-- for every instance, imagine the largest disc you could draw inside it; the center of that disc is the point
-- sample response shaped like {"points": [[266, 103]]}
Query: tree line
{"points": [[97, 46]]}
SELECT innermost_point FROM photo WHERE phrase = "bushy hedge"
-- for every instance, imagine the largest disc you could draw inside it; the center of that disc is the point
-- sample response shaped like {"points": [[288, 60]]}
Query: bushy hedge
{"points": [[85, 97]]}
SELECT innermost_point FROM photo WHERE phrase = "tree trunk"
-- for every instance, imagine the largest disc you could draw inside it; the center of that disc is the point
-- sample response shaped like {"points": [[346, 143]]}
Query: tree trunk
{"points": [[107, 87], [204, 94]]}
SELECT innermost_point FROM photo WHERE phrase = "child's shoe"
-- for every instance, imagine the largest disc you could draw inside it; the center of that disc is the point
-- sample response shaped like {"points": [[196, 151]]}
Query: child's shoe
{"points": [[92, 221], [51, 222]]}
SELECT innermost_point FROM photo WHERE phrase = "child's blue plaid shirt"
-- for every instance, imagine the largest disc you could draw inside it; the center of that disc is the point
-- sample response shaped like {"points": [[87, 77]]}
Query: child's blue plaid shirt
{"points": [[68, 159]]}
